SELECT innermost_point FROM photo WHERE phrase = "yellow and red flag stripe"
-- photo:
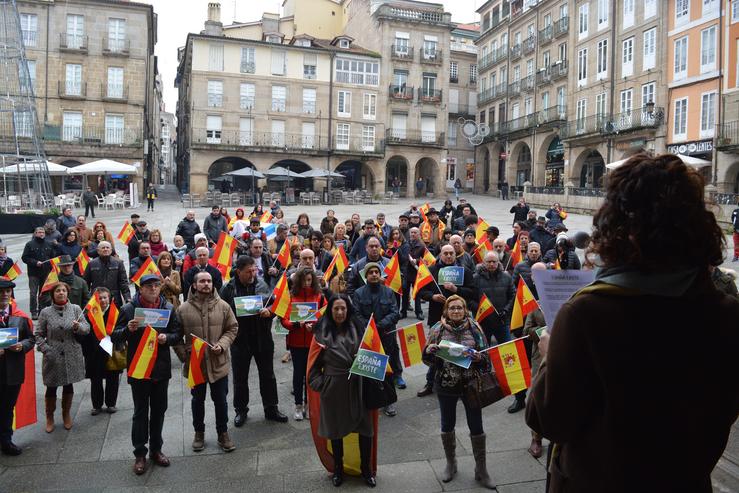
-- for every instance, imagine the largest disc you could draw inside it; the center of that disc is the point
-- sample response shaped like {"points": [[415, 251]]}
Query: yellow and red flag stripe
{"points": [[428, 258], [482, 250], [126, 233], [480, 232], [55, 263], [339, 263], [112, 318], [512, 367], [412, 341], [24, 412], [281, 304], [83, 259], [423, 277], [143, 360], [392, 275], [148, 267], [13, 272], [516, 256], [525, 303], [95, 314], [266, 217], [51, 279], [195, 368], [223, 255], [284, 257], [485, 309]]}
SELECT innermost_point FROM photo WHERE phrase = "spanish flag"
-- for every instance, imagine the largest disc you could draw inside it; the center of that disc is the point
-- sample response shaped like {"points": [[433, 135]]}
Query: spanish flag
{"points": [[427, 232], [423, 277], [112, 318], [525, 303], [281, 305], [148, 267], [515, 254], [371, 340], [266, 217], [482, 250], [195, 368], [284, 257], [392, 275], [83, 259], [428, 258], [55, 264], [412, 341], [339, 263], [481, 227], [126, 233], [24, 413], [485, 309], [50, 281], [14, 272], [512, 368], [223, 255], [145, 356], [95, 314], [556, 265], [423, 210]]}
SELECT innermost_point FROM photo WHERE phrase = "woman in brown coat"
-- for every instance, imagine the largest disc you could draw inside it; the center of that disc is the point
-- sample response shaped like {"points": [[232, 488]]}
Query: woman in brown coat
{"points": [[172, 285], [638, 385]]}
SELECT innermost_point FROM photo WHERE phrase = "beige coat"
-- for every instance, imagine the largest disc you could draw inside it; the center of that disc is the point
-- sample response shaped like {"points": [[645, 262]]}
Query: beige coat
{"points": [[172, 288], [211, 319]]}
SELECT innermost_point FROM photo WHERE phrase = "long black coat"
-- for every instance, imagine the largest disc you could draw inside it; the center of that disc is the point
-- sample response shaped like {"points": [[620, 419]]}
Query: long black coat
{"points": [[498, 287], [254, 324], [13, 364], [381, 303], [109, 273], [466, 291], [37, 250]]}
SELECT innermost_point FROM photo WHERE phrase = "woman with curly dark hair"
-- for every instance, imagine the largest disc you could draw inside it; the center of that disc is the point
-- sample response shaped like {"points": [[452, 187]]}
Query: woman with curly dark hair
{"points": [[628, 378]]}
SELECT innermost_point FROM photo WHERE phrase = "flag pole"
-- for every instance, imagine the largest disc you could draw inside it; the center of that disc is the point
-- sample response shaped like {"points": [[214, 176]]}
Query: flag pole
{"points": [[498, 345]]}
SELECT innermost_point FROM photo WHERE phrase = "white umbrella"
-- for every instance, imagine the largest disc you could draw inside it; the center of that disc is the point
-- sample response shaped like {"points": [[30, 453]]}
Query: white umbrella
{"points": [[694, 161], [616, 164], [103, 167], [54, 168], [321, 173], [247, 171], [279, 171]]}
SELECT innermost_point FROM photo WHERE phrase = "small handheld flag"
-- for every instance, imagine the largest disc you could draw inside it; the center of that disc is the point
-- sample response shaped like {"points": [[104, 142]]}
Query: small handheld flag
{"points": [[126, 233], [83, 259], [525, 303], [428, 258], [148, 267], [392, 273], [339, 263], [482, 226], [281, 305], [284, 257], [412, 341], [13, 272], [423, 277], [512, 367], [143, 360], [195, 369], [485, 309]]}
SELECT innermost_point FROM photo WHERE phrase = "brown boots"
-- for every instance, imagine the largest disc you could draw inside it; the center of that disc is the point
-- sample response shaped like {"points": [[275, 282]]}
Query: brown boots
{"points": [[50, 408], [66, 407]]}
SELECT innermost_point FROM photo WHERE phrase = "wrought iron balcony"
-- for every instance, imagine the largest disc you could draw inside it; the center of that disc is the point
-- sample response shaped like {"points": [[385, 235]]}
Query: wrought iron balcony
{"points": [[528, 83], [529, 44], [114, 92], [561, 27], [589, 126], [500, 54], [514, 88], [558, 70], [401, 92], [485, 62], [553, 114], [500, 91], [646, 117], [728, 137], [543, 76], [431, 56], [432, 96], [516, 51], [401, 136], [403, 53], [237, 138], [545, 35], [521, 124], [116, 47], [92, 135], [71, 89], [485, 96], [73, 42], [461, 109]]}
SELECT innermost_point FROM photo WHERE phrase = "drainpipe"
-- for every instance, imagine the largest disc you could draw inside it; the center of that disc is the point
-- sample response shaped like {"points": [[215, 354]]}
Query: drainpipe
{"points": [[46, 68], [720, 101], [330, 118], [609, 152]]}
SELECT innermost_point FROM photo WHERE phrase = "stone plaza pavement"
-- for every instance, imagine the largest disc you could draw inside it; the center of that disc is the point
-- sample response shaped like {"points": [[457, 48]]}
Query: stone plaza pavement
{"points": [[96, 455]]}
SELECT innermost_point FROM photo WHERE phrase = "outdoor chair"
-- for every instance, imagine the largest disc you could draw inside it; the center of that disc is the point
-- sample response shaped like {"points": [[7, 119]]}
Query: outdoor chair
{"points": [[195, 200], [110, 201], [186, 200], [305, 198]]}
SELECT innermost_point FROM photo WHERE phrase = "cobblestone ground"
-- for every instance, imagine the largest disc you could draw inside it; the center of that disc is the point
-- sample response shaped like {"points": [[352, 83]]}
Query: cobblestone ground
{"points": [[96, 455]]}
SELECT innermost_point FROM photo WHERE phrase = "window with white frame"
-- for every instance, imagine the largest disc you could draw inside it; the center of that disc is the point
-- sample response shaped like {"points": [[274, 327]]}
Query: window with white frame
{"points": [[428, 88], [71, 125], [23, 124], [274, 39], [582, 24], [562, 52], [75, 31], [682, 12], [248, 63], [563, 10], [430, 47], [708, 49], [399, 122], [580, 115], [710, 7], [213, 128], [278, 62], [279, 98], [649, 55], [29, 29], [215, 57], [647, 97], [308, 137], [303, 42], [344, 104], [309, 101], [515, 110], [115, 82], [113, 129], [349, 71], [117, 35], [246, 131], [708, 114], [582, 67], [546, 59], [369, 106], [278, 133], [545, 100], [402, 43], [528, 106], [368, 138], [473, 73], [680, 128], [453, 72], [73, 80], [215, 93], [600, 105], [627, 101], [529, 68], [680, 62], [603, 8], [650, 8], [247, 96], [428, 128], [516, 73], [309, 66], [734, 11], [628, 14], [561, 98], [342, 136], [602, 60], [344, 43], [451, 134], [627, 57]]}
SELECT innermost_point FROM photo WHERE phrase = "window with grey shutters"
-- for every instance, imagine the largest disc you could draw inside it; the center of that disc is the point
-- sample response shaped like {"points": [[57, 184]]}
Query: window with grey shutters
{"points": [[215, 93], [309, 66], [248, 60], [278, 62], [215, 57]]}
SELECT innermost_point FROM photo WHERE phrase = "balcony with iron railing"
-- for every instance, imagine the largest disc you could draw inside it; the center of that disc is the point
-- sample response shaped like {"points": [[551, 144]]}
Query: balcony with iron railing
{"points": [[558, 70], [409, 14], [586, 127], [543, 76], [485, 62], [268, 141], [545, 35], [646, 117], [500, 54], [516, 51], [521, 124], [528, 83], [529, 44], [357, 145], [461, 109], [514, 88], [401, 92], [463, 47], [728, 137], [552, 115], [30, 38], [431, 56], [71, 89], [402, 53], [114, 92], [561, 26], [500, 91], [73, 42], [430, 96], [91, 135], [398, 136], [486, 95], [116, 47]]}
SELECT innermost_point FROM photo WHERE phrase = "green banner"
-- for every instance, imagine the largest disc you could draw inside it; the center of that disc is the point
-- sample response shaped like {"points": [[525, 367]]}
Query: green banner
{"points": [[370, 364]]}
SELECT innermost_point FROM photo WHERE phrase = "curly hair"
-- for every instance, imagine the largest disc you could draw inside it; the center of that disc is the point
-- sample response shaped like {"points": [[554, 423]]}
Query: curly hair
{"points": [[299, 280], [654, 217]]}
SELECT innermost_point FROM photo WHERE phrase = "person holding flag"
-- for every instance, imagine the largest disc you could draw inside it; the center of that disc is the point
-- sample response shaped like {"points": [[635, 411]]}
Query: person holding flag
{"points": [[207, 317], [374, 298], [102, 317], [457, 326], [79, 292], [149, 369], [266, 268], [373, 249], [201, 265], [13, 366], [496, 284], [397, 243], [416, 251], [36, 256], [253, 340], [6, 264]]}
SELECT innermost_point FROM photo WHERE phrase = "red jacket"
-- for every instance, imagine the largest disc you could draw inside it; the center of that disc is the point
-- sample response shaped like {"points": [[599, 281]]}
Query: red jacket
{"points": [[301, 336]]}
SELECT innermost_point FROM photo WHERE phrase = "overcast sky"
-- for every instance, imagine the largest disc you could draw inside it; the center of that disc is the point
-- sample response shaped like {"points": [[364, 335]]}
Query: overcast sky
{"points": [[175, 21]]}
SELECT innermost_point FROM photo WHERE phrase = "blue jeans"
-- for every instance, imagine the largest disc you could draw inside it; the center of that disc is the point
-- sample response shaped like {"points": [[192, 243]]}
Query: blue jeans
{"points": [[448, 408], [501, 334], [218, 393]]}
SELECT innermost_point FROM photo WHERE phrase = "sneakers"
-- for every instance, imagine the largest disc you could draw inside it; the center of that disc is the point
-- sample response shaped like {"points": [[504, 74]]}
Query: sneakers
{"points": [[400, 382], [225, 442], [299, 412], [390, 410], [198, 443]]}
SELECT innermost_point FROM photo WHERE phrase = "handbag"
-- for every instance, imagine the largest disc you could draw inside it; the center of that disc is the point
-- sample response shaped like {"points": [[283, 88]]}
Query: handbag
{"points": [[117, 361], [482, 390], [377, 394]]}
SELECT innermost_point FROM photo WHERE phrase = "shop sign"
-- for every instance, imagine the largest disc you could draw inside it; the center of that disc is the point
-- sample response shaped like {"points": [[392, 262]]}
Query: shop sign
{"points": [[691, 148]]}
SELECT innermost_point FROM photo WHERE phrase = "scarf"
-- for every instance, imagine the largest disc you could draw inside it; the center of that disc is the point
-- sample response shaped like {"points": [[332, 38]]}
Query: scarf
{"points": [[671, 284]]}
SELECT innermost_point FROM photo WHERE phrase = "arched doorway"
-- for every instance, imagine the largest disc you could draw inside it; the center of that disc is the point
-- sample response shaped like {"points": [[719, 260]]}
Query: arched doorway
{"points": [[72, 183], [219, 181], [555, 164], [358, 175], [486, 170], [428, 170], [397, 166], [278, 183], [591, 174], [523, 166]]}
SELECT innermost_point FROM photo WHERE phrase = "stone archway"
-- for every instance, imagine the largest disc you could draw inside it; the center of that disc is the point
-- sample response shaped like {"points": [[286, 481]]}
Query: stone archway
{"points": [[358, 175], [520, 162], [589, 169], [397, 166], [299, 184], [217, 175], [728, 179], [428, 169], [552, 155]]}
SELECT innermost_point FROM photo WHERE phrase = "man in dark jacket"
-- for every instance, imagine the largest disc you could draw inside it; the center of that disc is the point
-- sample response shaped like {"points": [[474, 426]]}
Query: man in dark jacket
{"points": [[372, 254], [359, 246], [203, 254], [266, 271], [495, 283], [108, 272], [541, 235], [140, 235], [36, 255], [520, 210], [79, 292], [416, 249], [463, 259], [90, 201], [149, 395], [215, 224], [144, 253], [52, 236], [66, 220], [254, 340], [376, 298], [460, 207], [12, 364], [188, 228]]}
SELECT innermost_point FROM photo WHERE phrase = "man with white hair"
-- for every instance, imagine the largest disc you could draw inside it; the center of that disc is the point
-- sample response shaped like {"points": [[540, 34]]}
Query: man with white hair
{"points": [[108, 272], [202, 255]]}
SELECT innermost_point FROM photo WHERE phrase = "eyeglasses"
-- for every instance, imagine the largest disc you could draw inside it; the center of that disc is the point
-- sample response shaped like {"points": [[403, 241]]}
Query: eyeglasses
{"points": [[455, 308]]}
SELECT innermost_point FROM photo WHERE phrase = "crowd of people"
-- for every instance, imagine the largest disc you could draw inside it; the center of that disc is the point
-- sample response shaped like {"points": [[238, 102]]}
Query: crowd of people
{"points": [[202, 303]]}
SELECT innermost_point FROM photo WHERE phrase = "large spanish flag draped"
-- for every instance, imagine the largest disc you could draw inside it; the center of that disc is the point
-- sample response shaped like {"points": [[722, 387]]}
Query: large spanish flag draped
{"points": [[482, 249], [126, 233], [13, 272], [82, 260], [512, 368], [148, 267], [223, 255], [412, 341], [195, 369], [392, 273], [145, 356], [485, 309], [24, 413], [480, 232], [284, 257], [339, 263], [281, 304], [525, 303], [423, 277]]}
